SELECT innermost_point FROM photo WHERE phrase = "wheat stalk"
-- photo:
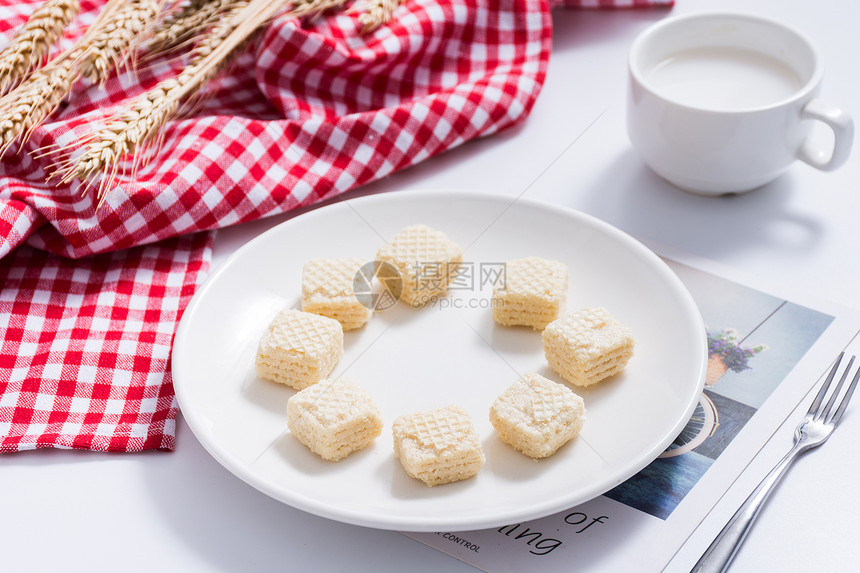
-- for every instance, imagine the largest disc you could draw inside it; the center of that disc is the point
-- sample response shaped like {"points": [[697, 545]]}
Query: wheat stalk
{"points": [[178, 27], [220, 29], [108, 46], [206, 44], [24, 108], [139, 125], [375, 13], [30, 46], [301, 8], [372, 13], [134, 128]]}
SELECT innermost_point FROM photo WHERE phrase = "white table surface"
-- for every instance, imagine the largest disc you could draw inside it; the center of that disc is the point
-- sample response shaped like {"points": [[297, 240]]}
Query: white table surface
{"points": [[181, 511]]}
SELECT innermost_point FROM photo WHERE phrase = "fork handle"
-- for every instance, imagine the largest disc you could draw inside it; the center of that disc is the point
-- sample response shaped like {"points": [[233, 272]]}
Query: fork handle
{"points": [[724, 548]]}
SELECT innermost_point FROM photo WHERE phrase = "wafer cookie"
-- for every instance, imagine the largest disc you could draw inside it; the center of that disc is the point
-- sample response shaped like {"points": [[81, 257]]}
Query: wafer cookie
{"points": [[438, 446], [587, 346], [327, 290], [334, 418], [531, 292], [299, 348], [537, 416], [426, 259]]}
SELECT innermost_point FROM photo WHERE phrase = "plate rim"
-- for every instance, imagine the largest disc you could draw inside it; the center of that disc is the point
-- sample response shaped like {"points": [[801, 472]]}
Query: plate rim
{"points": [[425, 523]]}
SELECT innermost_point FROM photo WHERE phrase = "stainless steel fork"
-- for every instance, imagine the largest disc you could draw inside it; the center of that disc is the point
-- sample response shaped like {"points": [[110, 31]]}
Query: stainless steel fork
{"points": [[812, 431]]}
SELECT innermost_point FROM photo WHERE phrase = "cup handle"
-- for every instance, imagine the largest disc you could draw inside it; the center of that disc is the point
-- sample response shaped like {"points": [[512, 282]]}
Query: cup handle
{"points": [[843, 132]]}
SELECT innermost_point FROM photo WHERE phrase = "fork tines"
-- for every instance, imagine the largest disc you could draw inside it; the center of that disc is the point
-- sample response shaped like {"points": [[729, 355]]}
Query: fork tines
{"points": [[825, 414]]}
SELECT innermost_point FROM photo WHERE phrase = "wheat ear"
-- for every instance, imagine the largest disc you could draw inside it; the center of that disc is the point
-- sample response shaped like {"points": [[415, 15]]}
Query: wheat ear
{"points": [[375, 13], [134, 128], [302, 8], [108, 46], [176, 28], [24, 108], [30, 46], [139, 125]]}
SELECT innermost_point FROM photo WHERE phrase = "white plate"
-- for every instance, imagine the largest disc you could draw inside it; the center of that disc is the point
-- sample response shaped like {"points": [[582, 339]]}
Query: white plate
{"points": [[411, 360]]}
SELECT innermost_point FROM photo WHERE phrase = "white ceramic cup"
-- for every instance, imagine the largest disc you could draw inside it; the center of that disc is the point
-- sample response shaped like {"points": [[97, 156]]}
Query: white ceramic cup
{"points": [[724, 102]]}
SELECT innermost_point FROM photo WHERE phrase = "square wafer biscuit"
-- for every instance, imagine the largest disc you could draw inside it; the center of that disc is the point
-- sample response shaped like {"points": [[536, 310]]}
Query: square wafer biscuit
{"points": [[438, 446], [587, 346], [327, 290], [426, 259], [532, 292], [537, 416], [334, 418], [299, 348]]}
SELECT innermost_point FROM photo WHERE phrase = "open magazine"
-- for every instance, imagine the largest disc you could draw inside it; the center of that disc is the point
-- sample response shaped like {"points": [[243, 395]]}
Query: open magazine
{"points": [[767, 349]]}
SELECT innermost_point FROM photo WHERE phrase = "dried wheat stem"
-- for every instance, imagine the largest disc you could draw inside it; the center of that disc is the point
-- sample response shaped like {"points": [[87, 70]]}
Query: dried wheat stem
{"points": [[192, 19], [302, 8], [108, 46], [24, 108], [138, 126], [134, 128], [31, 44], [375, 13], [220, 28], [235, 27]]}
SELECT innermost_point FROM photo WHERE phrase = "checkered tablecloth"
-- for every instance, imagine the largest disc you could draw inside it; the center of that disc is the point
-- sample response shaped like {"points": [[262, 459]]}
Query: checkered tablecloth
{"points": [[86, 345], [91, 297]]}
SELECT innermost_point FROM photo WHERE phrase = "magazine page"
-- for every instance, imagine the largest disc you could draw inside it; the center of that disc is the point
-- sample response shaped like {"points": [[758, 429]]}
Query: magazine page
{"points": [[767, 349]]}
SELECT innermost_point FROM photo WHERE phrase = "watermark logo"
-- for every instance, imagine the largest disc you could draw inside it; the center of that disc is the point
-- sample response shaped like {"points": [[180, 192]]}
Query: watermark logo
{"points": [[471, 276], [378, 285]]}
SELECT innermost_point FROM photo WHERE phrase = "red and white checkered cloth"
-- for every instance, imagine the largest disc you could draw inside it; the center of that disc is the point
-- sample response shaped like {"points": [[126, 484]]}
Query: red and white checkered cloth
{"points": [[311, 110], [86, 345]]}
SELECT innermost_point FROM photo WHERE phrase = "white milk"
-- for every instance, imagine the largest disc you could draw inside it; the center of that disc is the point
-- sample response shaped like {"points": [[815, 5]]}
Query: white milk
{"points": [[724, 79]]}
